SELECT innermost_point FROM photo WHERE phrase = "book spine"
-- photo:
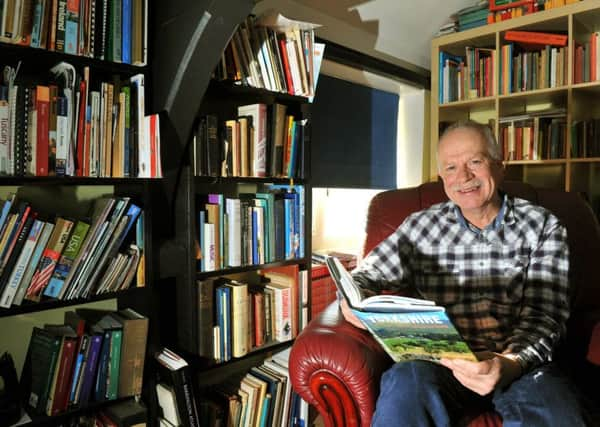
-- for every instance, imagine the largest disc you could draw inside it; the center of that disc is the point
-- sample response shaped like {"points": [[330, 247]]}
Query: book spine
{"points": [[42, 145], [61, 25], [90, 369], [55, 288], [4, 130], [72, 27], [60, 400], [33, 262], [17, 274], [126, 31], [112, 378]]}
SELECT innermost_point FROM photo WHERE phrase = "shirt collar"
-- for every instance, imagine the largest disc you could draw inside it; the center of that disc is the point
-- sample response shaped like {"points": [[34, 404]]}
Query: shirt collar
{"points": [[495, 225]]}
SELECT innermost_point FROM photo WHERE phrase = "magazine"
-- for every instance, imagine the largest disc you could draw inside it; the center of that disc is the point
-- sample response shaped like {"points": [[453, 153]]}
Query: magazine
{"points": [[407, 328]]}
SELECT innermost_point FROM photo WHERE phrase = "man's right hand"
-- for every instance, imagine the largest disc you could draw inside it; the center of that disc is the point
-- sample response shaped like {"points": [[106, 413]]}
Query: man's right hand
{"points": [[349, 315]]}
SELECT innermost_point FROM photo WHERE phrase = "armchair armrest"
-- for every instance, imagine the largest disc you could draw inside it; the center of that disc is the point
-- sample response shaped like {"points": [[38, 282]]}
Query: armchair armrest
{"points": [[336, 367]]}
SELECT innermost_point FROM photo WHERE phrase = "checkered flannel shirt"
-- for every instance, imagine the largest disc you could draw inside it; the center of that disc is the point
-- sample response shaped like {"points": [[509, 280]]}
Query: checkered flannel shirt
{"points": [[505, 287]]}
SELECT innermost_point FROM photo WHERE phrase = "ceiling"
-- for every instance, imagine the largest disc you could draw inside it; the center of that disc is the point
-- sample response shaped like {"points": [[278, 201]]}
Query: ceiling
{"points": [[398, 31]]}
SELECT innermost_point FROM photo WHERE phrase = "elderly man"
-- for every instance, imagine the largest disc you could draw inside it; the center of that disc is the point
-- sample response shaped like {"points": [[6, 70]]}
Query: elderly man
{"points": [[499, 265]]}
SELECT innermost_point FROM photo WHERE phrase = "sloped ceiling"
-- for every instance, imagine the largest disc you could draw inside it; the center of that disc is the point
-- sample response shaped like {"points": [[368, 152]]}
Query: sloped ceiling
{"points": [[398, 31]]}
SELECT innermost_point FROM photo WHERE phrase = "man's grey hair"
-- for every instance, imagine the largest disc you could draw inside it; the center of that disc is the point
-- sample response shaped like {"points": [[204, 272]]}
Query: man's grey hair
{"points": [[486, 133]]}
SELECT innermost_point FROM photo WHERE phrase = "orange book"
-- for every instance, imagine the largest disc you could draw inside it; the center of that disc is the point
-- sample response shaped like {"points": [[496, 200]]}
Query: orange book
{"points": [[536, 38]]}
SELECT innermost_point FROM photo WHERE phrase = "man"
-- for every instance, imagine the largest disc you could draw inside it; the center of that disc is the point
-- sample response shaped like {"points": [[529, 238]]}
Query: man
{"points": [[499, 265]]}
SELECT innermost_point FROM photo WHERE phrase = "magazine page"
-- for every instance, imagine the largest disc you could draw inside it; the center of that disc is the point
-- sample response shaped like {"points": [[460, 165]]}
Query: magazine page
{"points": [[410, 336]]}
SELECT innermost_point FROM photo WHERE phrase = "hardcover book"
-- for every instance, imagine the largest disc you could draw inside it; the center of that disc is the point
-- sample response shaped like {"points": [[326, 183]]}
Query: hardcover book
{"points": [[406, 328]]}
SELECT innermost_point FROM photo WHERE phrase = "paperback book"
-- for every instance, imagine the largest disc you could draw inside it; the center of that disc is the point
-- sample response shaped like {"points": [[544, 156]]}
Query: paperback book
{"points": [[407, 328]]}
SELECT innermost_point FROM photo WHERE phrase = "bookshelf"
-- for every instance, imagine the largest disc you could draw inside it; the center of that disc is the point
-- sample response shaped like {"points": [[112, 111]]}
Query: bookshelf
{"points": [[71, 195], [274, 199], [572, 95]]}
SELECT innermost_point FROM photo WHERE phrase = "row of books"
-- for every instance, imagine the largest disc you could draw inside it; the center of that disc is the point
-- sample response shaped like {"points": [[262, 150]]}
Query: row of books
{"points": [[273, 53], [263, 140], [538, 136], [67, 128], [69, 258], [522, 70], [252, 228], [263, 396], [96, 355], [586, 67], [236, 316], [112, 30], [585, 138], [468, 77]]}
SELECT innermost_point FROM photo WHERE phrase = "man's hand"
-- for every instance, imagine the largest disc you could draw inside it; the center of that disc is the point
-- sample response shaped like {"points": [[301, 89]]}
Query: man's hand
{"points": [[484, 376], [349, 316]]}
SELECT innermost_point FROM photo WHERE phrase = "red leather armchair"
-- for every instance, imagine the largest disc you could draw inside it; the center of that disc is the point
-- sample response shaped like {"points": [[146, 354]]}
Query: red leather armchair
{"points": [[336, 367]]}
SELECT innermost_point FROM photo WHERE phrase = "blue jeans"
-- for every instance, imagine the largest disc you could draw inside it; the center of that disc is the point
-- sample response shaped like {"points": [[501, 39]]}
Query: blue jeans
{"points": [[426, 394]]}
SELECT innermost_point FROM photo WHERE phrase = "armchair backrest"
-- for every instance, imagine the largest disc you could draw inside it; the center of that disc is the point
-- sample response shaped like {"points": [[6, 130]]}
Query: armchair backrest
{"points": [[388, 209]]}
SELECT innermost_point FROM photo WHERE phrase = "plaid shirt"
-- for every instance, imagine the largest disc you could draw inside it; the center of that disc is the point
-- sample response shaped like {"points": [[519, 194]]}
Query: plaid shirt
{"points": [[505, 287]]}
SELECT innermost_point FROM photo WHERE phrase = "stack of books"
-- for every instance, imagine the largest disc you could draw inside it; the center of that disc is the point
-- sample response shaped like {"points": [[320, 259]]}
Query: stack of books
{"points": [[96, 355], [94, 28], [273, 53]]}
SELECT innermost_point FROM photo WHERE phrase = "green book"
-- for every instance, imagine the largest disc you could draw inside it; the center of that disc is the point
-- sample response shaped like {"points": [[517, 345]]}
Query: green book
{"points": [[114, 365], [56, 288], [42, 356]]}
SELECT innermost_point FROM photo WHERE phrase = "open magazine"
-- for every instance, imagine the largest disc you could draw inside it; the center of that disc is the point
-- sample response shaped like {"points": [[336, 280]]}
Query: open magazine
{"points": [[407, 328]]}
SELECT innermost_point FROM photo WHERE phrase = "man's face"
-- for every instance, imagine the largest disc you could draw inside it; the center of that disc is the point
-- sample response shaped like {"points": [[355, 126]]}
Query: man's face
{"points": [[470, 176]]}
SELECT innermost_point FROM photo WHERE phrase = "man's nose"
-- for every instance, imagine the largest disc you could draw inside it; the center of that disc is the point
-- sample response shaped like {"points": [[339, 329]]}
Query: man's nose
{"points": [[464, 173]]}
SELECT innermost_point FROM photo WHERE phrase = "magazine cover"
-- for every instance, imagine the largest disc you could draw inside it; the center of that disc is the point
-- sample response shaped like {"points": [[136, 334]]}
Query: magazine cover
{"points": [[420, 335]]}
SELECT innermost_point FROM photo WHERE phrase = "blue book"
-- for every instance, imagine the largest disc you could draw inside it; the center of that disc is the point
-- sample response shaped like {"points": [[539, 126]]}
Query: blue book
{"points": [[223, 320], [201, 221], [103, 364], [255, 257], [79, 365], [71, 30], [126, 32], [36, 24], [264, 416], [90, 369]]}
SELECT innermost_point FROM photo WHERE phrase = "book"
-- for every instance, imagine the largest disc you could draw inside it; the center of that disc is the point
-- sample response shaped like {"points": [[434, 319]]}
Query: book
{"points": [[536, 38], [39, 369], [180, 378], [133, 352], [407, 328]]}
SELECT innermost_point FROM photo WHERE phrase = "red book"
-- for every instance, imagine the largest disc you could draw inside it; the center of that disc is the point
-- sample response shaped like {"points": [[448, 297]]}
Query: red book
{"points": [[153, 146], [64, 377], [536, 38], [42, 105], [286, 66]]}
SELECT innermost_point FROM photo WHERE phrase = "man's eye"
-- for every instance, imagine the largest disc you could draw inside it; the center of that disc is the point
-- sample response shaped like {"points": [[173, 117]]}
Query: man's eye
{"points": [[450, 168]]}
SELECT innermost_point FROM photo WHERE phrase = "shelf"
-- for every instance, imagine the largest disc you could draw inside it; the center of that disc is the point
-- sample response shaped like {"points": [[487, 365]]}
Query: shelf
{"points": [[585, 160], [44, 57], [226, 271], [230, 88], [204, 363], [71, 180], [247, 180], [43, 420], [536, 162], [487, 101], [32, 307]]}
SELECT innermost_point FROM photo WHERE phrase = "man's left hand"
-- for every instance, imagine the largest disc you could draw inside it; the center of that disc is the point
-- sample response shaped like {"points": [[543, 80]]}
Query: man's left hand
{"points": [[484, 376]]}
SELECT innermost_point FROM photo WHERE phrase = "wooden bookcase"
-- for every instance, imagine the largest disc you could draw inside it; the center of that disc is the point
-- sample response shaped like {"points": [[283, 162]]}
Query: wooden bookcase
{"points": [[72, 196], [578, 21]]}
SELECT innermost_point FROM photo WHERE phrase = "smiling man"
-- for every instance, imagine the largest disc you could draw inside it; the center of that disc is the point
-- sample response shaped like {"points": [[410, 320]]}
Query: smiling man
{"points": [[499, 264]]}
